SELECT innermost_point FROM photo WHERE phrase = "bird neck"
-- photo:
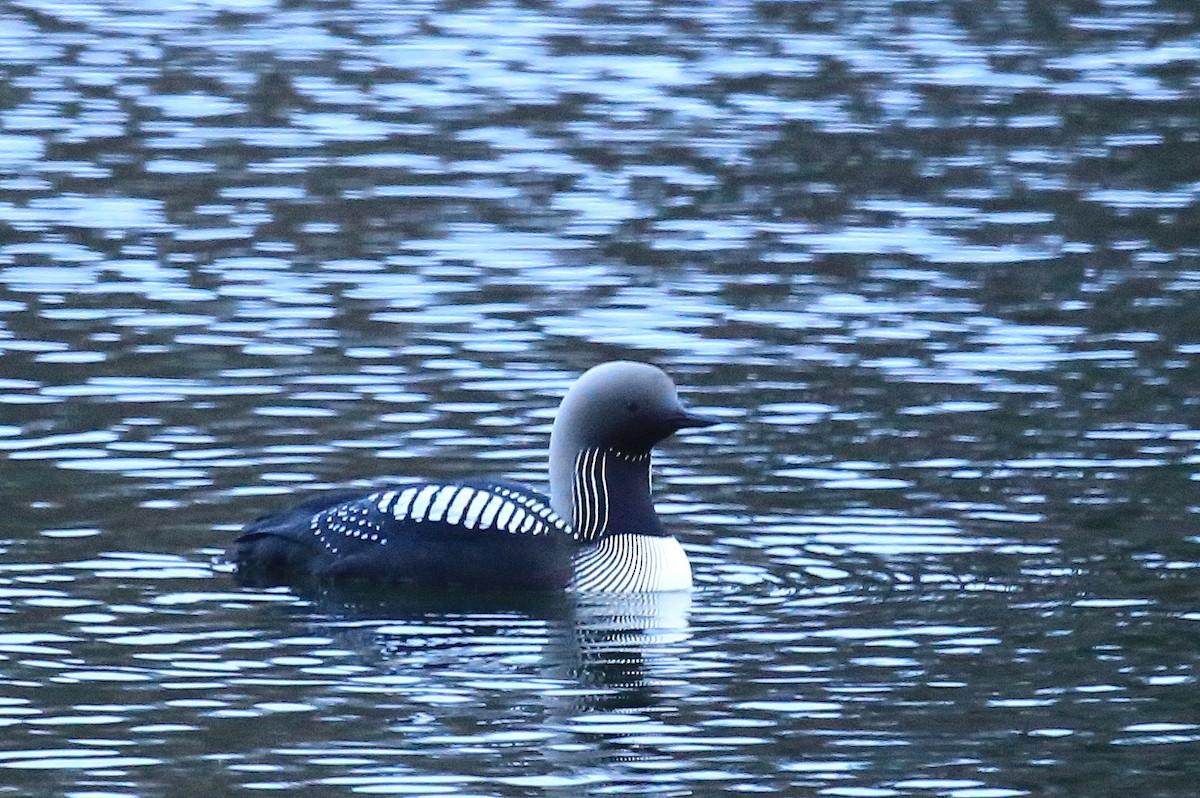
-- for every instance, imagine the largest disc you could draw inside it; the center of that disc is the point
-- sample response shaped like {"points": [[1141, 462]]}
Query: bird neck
{"points": [[602, 492]]}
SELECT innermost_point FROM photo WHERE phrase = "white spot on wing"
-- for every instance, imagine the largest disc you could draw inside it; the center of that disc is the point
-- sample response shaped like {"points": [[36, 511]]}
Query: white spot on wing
{"points": [[489, 512], [403, 502], [420, 504], [476, 507], [454, 512], [385, 501], [441, 501], [506, 511], [514, 523]]}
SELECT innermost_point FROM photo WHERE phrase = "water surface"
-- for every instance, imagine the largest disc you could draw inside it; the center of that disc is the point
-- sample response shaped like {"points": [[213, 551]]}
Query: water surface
{"points": [[935, 265]]}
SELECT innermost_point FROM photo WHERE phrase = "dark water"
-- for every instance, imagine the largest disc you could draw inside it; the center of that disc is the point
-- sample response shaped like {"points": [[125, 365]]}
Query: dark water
{"points": [[936, 263]]}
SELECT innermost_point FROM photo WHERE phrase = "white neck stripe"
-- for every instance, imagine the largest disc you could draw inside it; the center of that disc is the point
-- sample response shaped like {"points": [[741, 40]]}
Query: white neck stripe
{"points": [[589, 494], [632, 564]]}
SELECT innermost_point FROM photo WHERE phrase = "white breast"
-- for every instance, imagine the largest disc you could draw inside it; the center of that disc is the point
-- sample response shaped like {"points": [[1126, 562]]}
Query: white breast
{"points": [[632, 564]]}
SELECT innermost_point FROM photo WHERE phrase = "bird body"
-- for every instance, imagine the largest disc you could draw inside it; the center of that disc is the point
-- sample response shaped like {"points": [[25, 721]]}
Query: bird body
{"points": [[597, 531]]}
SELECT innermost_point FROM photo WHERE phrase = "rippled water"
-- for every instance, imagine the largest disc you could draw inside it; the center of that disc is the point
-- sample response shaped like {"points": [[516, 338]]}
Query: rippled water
{"points": [[937, 265]]}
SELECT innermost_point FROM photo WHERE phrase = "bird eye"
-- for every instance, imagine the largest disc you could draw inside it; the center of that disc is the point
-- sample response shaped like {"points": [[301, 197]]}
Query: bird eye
{"points": [[632, 407]]}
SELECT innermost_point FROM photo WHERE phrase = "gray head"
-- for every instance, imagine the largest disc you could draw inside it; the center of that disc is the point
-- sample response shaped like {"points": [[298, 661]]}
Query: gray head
{"points": [[622, 406]]}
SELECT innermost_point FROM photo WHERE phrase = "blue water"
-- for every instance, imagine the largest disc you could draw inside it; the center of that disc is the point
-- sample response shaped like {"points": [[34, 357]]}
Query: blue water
{"points": [[935, 265]]}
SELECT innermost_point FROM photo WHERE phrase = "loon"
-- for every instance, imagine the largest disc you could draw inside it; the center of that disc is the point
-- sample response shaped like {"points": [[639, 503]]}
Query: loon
{"points": [[596, 532]]}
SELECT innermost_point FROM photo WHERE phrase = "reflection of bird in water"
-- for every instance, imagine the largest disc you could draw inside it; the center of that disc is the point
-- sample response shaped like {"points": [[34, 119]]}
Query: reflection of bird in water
{"points": [[607, 644], [619, 638], [598, 530]]}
